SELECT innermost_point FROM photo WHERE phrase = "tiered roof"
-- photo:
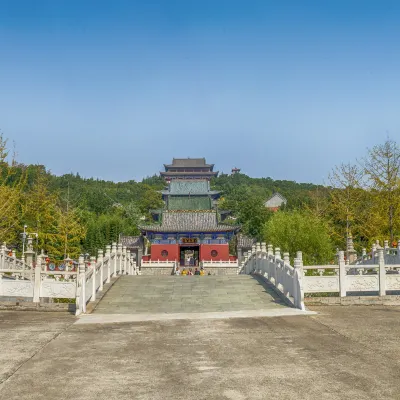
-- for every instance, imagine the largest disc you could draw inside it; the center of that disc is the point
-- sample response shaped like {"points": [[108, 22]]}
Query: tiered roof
{"points": [[188, 201], [189, 222], [189, 163], [188, 168]]}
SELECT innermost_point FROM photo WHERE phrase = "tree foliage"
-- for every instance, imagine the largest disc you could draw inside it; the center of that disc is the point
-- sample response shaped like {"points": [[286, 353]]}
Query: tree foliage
{"points": [[72, 214], [382, 169], [294, 230]]}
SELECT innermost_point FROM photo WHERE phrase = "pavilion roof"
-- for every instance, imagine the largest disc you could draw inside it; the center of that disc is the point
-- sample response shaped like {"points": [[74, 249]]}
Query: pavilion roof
{"points": [[195, 173], [189, 162], [190, 222], [209, 193]]}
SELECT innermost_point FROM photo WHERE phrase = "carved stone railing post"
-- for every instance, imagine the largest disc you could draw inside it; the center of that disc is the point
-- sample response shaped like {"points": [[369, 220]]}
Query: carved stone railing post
{"points": [[382, 272], [250, 261], [114, 258], [258, 257], [108, 255], [254, 258], [264, 258], [245, 262], [100, 259], [298, 293], [93, 266], [342, 274], [119, 257], [82, 283], [277, 271], [286, 258], [124, 259], [129, 262], [38, 279]]}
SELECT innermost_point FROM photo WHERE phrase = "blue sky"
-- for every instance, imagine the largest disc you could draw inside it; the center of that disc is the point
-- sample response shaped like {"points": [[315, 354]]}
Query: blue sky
{"points": [[114, 89]]}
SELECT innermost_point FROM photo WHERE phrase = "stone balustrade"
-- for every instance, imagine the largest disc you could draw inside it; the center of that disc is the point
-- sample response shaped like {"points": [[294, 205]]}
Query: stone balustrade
{"points": [[29, 279], [378, 272], [214, 264], [390, 254], [270, 264], [157, 267]]}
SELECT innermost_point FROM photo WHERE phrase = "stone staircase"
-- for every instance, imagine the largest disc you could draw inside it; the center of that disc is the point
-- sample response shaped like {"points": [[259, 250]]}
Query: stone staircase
{"points": [[188, 294]]}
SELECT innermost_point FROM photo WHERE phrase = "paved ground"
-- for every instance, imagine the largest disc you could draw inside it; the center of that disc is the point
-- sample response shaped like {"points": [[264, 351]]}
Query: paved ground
{"points": [[340, 353], [188, 294]]}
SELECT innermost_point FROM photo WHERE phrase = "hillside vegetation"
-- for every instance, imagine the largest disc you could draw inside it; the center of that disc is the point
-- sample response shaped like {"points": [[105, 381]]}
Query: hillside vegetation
{"points": [[74, 215]]}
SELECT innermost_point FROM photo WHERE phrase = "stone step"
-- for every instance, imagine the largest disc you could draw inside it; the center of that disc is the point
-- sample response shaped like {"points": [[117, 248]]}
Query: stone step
{"points": [[188, 294]]}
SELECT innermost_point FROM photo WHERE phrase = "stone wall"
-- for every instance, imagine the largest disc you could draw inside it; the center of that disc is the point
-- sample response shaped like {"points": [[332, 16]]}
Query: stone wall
{"points": [[388, 300], [221, 270], [26, 304], [154, 270]]}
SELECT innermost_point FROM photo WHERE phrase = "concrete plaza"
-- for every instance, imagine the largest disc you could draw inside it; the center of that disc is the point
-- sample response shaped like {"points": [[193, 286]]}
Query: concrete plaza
{"points": [[339, 353]]}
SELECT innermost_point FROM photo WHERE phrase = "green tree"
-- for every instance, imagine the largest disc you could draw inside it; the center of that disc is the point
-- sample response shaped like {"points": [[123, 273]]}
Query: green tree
{"points": [[294, 231], [253, 215]]}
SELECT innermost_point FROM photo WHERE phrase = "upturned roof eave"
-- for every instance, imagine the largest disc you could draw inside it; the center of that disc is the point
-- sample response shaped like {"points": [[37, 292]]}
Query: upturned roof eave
{"points": [[189, 173], [160, 229]]}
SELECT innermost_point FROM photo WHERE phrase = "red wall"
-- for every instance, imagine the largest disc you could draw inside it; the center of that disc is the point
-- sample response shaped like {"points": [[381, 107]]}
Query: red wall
{"points": [[173, 252], [222, 249], [205, 252]]}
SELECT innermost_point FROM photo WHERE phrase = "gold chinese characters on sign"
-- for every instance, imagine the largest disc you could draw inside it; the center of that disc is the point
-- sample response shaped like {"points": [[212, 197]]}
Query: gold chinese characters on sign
{"points": [[189, 240]]}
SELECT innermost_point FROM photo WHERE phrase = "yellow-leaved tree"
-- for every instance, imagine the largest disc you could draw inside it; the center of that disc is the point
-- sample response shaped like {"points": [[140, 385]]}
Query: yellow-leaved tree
{"points": [[58, 226], [12, 181], [347, 202], [382, 168]]}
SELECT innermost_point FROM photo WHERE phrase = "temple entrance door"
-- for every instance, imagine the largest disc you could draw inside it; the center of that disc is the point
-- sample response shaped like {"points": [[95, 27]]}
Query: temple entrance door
{"points": [[189, 256]]}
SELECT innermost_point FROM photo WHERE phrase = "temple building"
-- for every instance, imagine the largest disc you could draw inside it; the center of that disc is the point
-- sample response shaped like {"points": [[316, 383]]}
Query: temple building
{"points": [[188, 229]]}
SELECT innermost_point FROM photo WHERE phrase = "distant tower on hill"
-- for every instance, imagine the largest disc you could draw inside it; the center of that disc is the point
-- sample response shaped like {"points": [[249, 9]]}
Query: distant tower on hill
{"points": [[235, 171]]}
